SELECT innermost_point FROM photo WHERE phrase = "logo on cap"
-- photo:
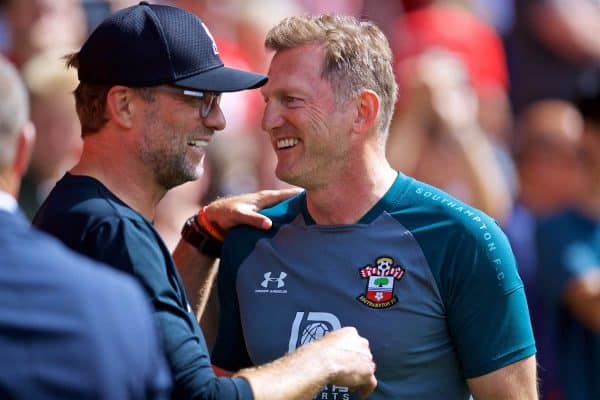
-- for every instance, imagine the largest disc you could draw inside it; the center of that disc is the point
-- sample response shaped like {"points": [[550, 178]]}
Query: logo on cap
{"points": [[214, 44]]}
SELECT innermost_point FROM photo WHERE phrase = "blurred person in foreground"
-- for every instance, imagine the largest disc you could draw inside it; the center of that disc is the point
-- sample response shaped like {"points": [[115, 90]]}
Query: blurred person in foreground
{"points": [[569, 270], [148, 101], [69, 328], [547, 150], [428, 279]]}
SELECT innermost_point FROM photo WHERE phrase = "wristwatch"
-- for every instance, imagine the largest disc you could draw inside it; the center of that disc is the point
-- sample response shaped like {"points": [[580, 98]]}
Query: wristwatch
{"points": [[193, 233]]}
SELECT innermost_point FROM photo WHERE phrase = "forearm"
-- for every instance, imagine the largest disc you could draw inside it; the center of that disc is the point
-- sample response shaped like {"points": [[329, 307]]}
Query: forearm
{"points": [[295, 376], [517, 381], [341, 358], [198, 272]]}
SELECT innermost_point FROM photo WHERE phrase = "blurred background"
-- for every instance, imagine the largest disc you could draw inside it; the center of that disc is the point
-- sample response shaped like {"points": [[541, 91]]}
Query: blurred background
{"points": [[490, 110]]}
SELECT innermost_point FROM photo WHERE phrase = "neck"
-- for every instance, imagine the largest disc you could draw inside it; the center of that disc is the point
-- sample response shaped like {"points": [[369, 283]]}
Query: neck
{"points": [[352, 193], [9, 183], [122, 173]]}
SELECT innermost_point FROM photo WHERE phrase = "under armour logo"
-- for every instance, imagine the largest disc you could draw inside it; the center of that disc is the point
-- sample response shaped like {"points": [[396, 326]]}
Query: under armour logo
{"points": [[280, 282]]}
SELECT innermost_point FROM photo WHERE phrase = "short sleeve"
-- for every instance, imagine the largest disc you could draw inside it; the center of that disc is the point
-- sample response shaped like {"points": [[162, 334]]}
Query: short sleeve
{"points": [[486, 305]]}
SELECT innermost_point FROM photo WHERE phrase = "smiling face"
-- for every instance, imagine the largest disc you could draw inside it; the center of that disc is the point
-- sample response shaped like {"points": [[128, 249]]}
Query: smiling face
{"points": [[174, 137], [309, 131]]}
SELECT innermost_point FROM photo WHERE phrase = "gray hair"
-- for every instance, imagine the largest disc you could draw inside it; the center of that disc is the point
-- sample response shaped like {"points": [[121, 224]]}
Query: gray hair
{"points": [[357, 56], [14, 110]]}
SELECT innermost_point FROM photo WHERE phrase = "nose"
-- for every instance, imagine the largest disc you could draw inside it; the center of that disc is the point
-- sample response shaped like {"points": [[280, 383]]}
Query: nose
{"points": [[215, 119], [272, 117]]}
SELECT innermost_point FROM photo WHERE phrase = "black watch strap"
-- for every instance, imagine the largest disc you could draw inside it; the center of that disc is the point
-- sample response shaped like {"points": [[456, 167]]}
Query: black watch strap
{"points": [[198, 237]]}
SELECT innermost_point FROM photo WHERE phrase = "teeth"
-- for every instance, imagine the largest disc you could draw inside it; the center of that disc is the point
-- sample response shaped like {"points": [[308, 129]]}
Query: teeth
{"points": [[198, 143], [287, 143]]}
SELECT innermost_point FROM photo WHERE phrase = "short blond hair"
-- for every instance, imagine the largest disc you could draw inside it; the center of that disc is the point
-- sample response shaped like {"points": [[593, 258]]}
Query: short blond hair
{"points": [[357, 56]]}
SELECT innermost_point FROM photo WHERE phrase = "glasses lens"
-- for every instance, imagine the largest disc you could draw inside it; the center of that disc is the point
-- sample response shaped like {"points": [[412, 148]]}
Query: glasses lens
{"points": [[209, 100]]}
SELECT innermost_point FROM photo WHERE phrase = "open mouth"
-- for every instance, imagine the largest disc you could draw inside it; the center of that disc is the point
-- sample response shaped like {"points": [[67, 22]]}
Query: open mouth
{"points": [[197, 143], [286, 143]]}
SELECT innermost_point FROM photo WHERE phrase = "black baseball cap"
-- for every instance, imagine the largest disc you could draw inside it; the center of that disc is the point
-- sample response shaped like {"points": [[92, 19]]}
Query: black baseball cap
{"points": [[150, 44]]}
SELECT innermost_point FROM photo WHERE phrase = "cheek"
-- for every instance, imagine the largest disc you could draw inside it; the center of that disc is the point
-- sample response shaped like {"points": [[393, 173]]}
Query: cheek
{"points": [[318, 119]]}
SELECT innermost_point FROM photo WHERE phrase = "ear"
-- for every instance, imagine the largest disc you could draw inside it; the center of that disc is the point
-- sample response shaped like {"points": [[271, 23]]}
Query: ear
{"points": [[120, 106], [368, 110], [25, 143]]}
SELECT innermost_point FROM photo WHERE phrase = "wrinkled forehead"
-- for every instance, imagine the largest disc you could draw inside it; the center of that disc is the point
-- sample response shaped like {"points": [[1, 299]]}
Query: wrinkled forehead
{"points": [[297, 68]]}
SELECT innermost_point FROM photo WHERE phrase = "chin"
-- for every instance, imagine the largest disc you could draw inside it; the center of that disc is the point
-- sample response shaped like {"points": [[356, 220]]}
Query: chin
{"points": [[291, 179]]}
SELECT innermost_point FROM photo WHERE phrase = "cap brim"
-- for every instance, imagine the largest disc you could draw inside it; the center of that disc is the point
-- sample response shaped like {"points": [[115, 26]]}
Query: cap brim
{"points": [[223, 79]]}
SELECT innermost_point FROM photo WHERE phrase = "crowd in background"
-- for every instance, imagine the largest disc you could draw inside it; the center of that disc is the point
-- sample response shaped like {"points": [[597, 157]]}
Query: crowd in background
{"points": [[498, 105]]}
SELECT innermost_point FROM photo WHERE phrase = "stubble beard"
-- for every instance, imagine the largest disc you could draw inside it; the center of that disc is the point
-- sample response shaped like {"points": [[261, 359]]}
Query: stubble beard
{"points": [[311, 172], [163, 150]]}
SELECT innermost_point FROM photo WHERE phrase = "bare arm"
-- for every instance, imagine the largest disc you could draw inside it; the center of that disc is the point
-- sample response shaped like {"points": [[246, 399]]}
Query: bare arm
{"points": [[516, 381], [341, 358], [197, 273], [198, 270]]}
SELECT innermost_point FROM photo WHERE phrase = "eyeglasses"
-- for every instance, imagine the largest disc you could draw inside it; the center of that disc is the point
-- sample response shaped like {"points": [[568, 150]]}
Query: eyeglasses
{"points": [[204, 101]]}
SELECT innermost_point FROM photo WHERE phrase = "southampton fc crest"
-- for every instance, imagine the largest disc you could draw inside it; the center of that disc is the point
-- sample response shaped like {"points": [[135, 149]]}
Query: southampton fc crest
{"points": [[380, 283]]}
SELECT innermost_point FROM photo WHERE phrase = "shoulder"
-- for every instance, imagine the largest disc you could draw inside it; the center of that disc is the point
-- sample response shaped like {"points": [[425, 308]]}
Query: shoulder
{"points": [[241, 240], [82, 200], [280, 214], [458, 241], [63, 266], [287, 210], [80, 309], [87, 217], [427, 208]]}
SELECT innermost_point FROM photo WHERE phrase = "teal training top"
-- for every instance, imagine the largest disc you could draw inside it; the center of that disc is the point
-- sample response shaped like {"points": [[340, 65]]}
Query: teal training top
{"points": [[430, 281]]}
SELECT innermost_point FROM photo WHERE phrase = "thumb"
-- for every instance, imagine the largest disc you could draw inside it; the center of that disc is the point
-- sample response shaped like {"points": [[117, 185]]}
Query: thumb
{"points": [[256, 220], [365, 390]]}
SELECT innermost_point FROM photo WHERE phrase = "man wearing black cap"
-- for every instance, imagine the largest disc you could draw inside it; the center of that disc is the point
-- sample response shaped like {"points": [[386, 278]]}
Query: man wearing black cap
{"points": [[148, 100]]}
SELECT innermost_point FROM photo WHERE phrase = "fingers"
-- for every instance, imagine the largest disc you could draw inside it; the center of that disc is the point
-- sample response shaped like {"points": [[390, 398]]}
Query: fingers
{"points": [[254, 219], [349, 339], [350, 358], [266, 198], [231, 211], [365, 390]]}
